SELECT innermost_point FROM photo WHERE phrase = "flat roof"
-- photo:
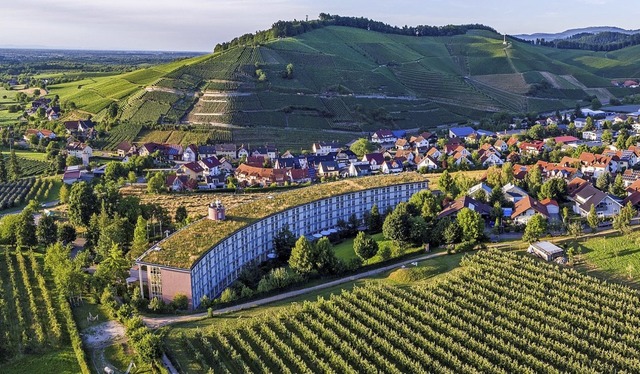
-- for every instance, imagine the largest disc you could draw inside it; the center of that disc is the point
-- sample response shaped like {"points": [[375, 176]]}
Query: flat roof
{"points": [[547, 247], [185, 247]]}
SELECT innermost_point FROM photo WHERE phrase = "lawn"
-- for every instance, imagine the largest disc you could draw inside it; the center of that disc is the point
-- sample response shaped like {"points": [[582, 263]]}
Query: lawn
{"points": [[344, 250], [120, 355], [24, 153], [59, 362], [615, 257], [80, 314]]}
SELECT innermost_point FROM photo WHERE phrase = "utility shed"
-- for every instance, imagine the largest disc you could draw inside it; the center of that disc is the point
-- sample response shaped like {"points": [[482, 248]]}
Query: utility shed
{"points": [[546, 250]]}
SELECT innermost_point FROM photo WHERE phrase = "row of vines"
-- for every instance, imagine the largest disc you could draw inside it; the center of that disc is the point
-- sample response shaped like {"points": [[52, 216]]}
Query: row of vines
{"points": [[504, 313]]}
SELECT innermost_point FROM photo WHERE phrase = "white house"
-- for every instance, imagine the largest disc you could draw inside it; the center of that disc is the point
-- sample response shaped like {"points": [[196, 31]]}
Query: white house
{"points": [[513, 193], [605, 205], [210, 166], [383, 136], [375, 160], [428, 162], [190, 153], [526, 208], [324, 148], [390, 167], [80, 150], [595, 135]]}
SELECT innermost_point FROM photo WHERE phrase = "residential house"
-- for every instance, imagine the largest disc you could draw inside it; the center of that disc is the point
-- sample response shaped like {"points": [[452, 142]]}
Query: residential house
{"points": [[210, 166], [383, 136], [126, 149], [178, 183], [594, 135], [567, 139], [328, 169], [419, 142], [501, 145], [556, 170], [359, 169], [324, 148], [227, 150], [434, 153], [454, 207], [526, 208], [391, 167], [206, 151], [491, 159], [580, 122], [587, 196], [513, 193], [269, 152], [287, 163], [374, 159], [595, 165], [242, 152], [193, 170], [298, 175], [429, 163], [402, 144], [40, 134], [84, 129], [533, 148], [407, 154], [80, 150], [480, 188], [346, 156], [461, 158], [461, 132], [256, 161], [251, 176], [190, 153]]}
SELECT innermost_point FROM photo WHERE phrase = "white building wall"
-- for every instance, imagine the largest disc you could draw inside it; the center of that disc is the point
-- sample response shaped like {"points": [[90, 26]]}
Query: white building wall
{"points": [[219, 267]]}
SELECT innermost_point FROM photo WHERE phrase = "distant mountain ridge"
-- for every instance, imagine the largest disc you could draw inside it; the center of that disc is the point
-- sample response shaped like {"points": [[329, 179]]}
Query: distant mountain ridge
{"points": [[571, 32]]}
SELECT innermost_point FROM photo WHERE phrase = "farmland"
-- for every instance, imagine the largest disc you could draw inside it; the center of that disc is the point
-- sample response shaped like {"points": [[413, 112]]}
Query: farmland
{"points": [[499, 313], [615, 257], [30, 167], [32, 318]]}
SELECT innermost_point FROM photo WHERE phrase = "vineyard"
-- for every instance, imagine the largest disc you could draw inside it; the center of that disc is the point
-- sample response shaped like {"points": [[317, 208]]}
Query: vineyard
{"points": [[125, 132], [30, 167], [14, 193], [32, 318], [502, 313]]}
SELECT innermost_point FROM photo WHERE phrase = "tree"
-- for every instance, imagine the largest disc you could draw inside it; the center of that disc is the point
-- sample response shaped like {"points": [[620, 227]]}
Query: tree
{"points": [[622, 221], [592, 218], [596, 104], [553, 188], [326, 261], [362, 146], [418, 230], [47, 230], [112, 110], [66, 233], [156, 183], [617, 188], [536, 227], [471, 223], [396, 225], [602, 182], [574, 228], [68, 274], [115, 170], [289, 72], [607, 137], [534, 180], [26, 229], [451, 232], [365, 246], [302, 257], [283, 243], [589, 126], [140, 238], [82, 203], [375, 220], [118, 232], [114, 268], [181, 214], [15, 172], [446, 183], [3, 169], [73, 160], [536, 132]]}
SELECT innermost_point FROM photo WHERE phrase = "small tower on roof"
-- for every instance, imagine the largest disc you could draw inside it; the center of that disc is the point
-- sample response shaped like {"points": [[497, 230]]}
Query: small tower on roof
{"points": [[216, 211]]}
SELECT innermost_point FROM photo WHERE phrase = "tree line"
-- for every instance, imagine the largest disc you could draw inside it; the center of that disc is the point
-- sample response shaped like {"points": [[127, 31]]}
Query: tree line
{"points": [[601, 42], [283, 29]]}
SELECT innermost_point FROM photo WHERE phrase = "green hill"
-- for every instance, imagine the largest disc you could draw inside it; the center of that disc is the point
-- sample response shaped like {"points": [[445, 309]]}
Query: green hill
{"points": [[352, 79]]}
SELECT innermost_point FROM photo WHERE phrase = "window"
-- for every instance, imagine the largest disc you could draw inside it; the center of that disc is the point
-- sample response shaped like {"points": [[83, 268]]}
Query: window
{"points": [[155, 282]]}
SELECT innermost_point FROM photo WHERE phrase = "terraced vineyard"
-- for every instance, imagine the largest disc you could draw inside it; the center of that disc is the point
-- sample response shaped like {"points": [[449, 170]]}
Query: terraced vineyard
{"points": [[32, 318], [502, 313]]}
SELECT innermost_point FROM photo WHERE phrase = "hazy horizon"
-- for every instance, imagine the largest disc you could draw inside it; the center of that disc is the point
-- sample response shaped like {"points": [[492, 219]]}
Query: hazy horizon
{"points": [[197, 26]]}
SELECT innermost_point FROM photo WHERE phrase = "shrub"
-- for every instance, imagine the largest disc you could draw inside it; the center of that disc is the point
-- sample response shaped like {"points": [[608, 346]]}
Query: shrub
{"points": [[228, 296], [180, 302], [156, 305], [384, 252]]}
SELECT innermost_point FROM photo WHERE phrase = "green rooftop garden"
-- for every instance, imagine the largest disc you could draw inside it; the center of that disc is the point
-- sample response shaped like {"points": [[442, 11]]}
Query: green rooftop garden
{"points": [[184, 248]]}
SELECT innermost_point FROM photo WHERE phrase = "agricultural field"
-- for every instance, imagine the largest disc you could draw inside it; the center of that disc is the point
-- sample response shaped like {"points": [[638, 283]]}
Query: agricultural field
{"points": [[31, 315], [198, 135], [501, 312], [17, 194], [29, 167], [124, 132]]}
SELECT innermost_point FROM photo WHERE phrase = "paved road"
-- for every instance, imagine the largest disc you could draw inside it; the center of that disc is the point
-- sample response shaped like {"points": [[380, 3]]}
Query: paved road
{"points": [[155, 322]]}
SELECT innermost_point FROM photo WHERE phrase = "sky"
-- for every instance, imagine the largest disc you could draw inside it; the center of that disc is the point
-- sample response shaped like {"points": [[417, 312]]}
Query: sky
{"points": [[198, 25]]}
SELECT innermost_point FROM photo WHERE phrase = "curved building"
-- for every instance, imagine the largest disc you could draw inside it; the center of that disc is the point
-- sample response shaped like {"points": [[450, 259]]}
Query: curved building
{"points": [[165, 275]]}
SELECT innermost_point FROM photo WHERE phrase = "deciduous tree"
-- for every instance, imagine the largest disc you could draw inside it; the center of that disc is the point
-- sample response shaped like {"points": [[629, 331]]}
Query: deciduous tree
{"points": [[82, 203], [47, 230], [471, 223], [536, 227], [365, 246], [302, 257]]}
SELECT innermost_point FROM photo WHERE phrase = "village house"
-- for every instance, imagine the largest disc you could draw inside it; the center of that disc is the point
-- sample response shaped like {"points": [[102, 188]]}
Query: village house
{"points": [[383, 137], [264, 177], [526, 208], [587, 196], [84, 129], [269, 152], [40, 134], [179, 183], [594, 135], [391, 167], [210, 166], [402, 144], [242, 153], [461, 132], [501, 146], [227, 150], [429, 163], [206, 151], [190, 153], [359, 169], [193, 170], [375, 160], [513, 193], [532, 148], [80, 150], [480, 189], [595, 165], [328, 169], [324, 148], [125, 149], [298, 175], [454, 207]]}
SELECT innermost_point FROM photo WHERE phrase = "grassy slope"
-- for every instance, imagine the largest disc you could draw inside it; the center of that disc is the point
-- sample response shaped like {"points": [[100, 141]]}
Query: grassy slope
{"points": [[615, 257]]}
